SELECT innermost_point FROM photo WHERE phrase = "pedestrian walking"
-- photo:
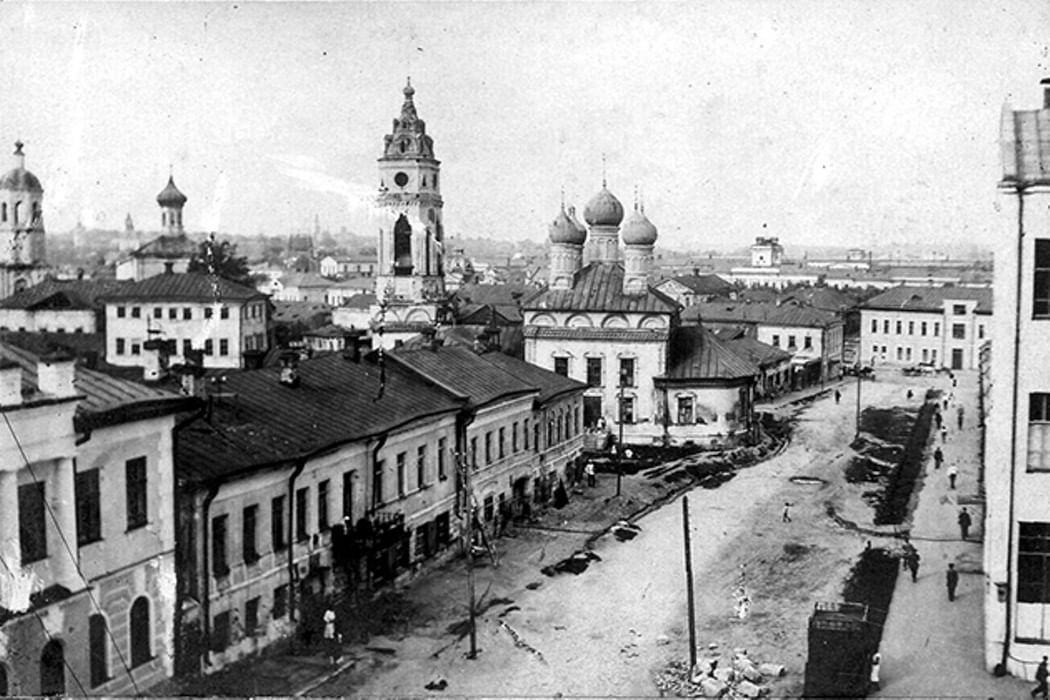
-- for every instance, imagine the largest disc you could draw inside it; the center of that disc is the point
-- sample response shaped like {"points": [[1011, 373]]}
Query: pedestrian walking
{"points": [[953, 473], [952, 579], [946, 404], [964, 523], [838, 395], [786, 517], [955, 383], [589, 471], [1040, 678], [876, 666], [912, 560], [944, 434], [331, 640], [938, 418], [959, 412], [938, 457]]}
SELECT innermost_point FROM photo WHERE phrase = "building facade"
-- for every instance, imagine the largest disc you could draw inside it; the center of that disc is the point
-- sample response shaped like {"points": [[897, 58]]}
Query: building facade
{"points": [[936, 326]]}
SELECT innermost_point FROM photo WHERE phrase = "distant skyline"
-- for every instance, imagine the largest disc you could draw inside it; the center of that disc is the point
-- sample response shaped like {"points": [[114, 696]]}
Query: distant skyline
{"points": [[847, 123]]}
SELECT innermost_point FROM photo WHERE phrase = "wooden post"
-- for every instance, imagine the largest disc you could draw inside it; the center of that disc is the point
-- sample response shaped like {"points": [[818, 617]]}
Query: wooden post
{"points": [[689, 584], [469, 530]]}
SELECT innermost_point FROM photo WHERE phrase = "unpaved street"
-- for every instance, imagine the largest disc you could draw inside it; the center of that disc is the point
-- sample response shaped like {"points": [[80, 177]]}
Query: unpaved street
{"points": [[599, 632]]}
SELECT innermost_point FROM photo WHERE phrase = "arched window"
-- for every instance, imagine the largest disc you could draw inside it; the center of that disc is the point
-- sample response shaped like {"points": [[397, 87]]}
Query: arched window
{"points": [[140, 651], [18, 206], [163, 219], [3, 211], [402, 247], [97, 644], [4, 690], [36, 211], [53, 669]]}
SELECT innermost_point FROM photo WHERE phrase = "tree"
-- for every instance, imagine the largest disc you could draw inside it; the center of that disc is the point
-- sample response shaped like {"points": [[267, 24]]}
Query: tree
{"points": [[220, 258]]}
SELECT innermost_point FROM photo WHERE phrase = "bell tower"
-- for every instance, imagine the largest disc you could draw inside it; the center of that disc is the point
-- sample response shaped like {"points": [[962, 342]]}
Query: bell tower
{"points": [[411, 234]]}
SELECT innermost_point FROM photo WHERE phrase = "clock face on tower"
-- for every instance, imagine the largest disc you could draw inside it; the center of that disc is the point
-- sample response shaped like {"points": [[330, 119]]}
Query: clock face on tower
{"points": [[400, 179]]}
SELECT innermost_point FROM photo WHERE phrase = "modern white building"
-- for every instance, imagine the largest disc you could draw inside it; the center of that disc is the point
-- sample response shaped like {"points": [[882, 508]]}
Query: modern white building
{"points": [[1017, 452], [937, 326]]}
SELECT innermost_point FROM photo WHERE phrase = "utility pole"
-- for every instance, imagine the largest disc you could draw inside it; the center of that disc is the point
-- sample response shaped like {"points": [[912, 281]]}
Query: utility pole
{"points": [[468, 497], [857, 434], [689, 583], [619, 442]]}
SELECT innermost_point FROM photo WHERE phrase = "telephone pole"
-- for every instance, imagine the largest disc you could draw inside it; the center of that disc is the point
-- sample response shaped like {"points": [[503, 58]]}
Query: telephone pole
{"points": [[468, 498], [689, 583]]}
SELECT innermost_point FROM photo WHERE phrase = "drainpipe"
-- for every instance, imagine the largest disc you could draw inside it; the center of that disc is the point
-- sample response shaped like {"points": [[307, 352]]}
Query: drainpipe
{"points": [[1013, 429], [213, 491], [296, 471]]}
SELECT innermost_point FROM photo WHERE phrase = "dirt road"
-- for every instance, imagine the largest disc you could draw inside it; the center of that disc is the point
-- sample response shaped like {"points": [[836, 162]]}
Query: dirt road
{"points": [[606, 630]]}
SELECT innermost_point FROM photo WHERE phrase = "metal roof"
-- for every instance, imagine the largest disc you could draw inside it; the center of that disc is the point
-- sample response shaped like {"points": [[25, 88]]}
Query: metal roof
{"points": [[551, 384], [461, 370], [760, 313], [187, 286], [905, 298], [63, 294], [599, 287], [697, 355], [756, 352]]}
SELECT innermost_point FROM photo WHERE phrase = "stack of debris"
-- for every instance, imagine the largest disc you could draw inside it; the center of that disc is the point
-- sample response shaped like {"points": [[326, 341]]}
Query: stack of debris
{"points": [[742, 678]]}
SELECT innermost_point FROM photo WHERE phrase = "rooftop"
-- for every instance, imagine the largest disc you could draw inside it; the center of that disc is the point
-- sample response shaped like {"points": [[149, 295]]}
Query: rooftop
{"points": [[461, 371], [759, 313], [187, 286], [62, 294], [696, 354], [599, 287], [930, 298]]}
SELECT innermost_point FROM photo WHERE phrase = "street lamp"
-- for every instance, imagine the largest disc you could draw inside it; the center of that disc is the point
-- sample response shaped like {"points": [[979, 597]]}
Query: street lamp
{"points": [[857, 434], [619, 441]]}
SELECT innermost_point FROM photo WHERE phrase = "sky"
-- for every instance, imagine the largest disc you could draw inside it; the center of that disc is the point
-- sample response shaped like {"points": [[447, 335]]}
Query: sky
{"points": [[823, 123]]}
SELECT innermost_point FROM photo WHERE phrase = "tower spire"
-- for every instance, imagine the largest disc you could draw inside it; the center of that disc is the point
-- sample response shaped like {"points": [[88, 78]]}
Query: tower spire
{"points": [[603, 171]]}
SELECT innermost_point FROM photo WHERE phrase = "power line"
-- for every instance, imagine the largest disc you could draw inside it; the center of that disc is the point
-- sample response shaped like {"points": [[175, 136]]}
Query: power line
{"points": [[73, 558], [36, 614]]}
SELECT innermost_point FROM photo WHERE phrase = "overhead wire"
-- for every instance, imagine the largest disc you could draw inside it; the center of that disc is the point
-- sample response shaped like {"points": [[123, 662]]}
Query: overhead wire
{"points": [[72, 557]]}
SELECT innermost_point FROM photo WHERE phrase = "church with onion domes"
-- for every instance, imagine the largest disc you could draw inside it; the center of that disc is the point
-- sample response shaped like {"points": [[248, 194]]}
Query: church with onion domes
{"points": [[599, 320]]}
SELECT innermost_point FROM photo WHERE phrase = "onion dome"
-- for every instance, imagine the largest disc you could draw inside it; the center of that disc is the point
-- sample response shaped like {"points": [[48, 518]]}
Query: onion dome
{"points": [[170, 196], [19, 178], [638, 230], [571, 211], [604, 209], [564, 230]]}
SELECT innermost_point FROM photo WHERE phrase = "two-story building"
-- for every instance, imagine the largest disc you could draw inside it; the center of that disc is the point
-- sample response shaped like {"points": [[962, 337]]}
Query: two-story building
{"points": [[938, 326], [87, 538], [191, 311], [57, 306]]}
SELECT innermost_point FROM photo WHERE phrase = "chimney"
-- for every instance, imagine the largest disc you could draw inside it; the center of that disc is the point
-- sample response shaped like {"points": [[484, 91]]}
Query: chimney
{"points": [[10, 383], [1045, 82], [55, 373], [290, 369]]}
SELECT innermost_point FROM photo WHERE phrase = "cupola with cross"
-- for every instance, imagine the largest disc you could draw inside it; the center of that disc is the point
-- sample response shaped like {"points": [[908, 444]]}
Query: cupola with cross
{"points": [[409, 205], [21, 213]]}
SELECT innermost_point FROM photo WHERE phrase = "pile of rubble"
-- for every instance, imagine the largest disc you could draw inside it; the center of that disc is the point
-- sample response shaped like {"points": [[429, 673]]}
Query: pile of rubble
{"points": [[742, 678]]}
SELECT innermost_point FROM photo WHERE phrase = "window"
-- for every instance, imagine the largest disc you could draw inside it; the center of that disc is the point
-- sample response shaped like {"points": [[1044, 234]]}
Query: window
{"points": [[594, 371], [898, 327], [140, 632], [187, 346], [442, 447], [249, 523], [280, 601], [791, 342], [220, 631], [911, 327], [120, 346], [421, 466], [980, 332], [959, 309], [502, 442], [322, 506], [208, 312], [626, 371], [474, 452], [514, 437], [936, 329], [561, 366], [209, 347], [807, 342], [874, 325], [1033, 563], [907, 354], [933, 355], [922, 328], [685, 410], [122, 311], [1038, 432], [173, 314], [627, 409], [220, 566], [886, 327], [89, 511], [536, 437], [32, 528], [900, 353], [348, 496], [135, 492], [224, 312], [158, 312], [525, 434], [277, 530], [301, 496], [958, 330], [1041, 280], [136, 349], [776, 340], [136, 312], [187, 313], [490, 507], [488, 447], [401, 486], [251, 617], [224, 347], [97, 637], [925, 354]]}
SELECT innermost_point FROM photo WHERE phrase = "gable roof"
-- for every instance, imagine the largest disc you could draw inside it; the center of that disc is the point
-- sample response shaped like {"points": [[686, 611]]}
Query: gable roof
{"points": [[186, 286], [551, 384], [705, 284], [460, 371], [908, 298], [756, 352], [62, 294], [261, 422], [760, 313], [599, 287], [695, 354]]}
